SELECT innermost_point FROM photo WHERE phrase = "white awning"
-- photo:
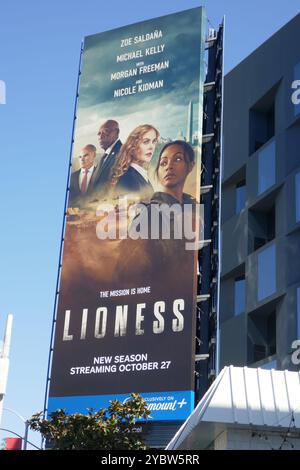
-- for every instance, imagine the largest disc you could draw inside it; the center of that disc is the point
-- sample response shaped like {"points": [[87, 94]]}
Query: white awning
{"points": [[244, 397]]}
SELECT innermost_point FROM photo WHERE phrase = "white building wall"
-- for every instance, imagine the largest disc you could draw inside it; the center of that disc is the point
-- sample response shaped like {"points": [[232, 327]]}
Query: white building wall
{"points": [[221, 441], [241, 439]]}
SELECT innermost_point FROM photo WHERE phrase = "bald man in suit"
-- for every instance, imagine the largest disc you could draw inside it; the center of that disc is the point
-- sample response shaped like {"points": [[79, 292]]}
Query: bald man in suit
{"points": [[83, 181]]}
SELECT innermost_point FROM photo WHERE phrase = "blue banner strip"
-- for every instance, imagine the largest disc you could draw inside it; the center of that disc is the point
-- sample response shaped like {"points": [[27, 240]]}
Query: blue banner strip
{"points": [[164, 406]]}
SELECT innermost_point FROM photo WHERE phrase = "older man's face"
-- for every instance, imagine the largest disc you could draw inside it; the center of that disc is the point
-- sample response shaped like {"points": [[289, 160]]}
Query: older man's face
{"points": [[107, 135], [87, 158]]}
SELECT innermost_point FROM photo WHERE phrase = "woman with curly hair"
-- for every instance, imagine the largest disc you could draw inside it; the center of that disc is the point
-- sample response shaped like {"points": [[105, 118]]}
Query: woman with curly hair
{"points": [[130, 173]]}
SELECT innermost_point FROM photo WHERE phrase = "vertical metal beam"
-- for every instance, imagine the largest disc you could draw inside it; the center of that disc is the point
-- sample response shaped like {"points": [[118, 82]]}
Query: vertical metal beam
{"points": [[209, 281], [62, 240], [220, 202]]}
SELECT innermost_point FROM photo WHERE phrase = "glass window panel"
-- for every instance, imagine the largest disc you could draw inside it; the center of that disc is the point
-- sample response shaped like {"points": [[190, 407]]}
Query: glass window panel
{"points": [[266, 280], [266, 167], [269, 365], [239, 296], [240, 198]]}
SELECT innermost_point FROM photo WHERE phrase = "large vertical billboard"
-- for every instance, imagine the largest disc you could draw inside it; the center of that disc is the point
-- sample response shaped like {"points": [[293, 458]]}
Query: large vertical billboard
{"points": [[126, 313]]}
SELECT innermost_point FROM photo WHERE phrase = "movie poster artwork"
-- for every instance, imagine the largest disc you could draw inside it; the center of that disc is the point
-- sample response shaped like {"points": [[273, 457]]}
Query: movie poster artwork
{"points": [[126, 313]]}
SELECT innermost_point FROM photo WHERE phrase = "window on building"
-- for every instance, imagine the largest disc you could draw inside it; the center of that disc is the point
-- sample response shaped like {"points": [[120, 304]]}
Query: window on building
{"points": [[239, 295], [262, 227], [266, 167], [269, 365], [261, 336], [240, 197], [262, 121], [297, 77], [297, 195], [266, 276]]}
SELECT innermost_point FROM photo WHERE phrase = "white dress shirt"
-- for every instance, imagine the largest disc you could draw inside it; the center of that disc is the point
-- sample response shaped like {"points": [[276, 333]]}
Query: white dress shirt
{"points": [[107, 152]]}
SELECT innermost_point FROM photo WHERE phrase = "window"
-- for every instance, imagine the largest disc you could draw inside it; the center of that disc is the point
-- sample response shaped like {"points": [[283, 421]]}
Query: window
{"points": [[297, 195], [266, 167], [261, 342], [262, 120], [269, 365], [297, 77], [239, 295], [240, 197], [266, 279], [262, 227]]}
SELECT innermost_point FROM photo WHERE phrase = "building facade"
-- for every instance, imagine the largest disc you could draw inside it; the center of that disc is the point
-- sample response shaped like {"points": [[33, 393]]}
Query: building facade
{"points": [[260, 273], [245, 408]]}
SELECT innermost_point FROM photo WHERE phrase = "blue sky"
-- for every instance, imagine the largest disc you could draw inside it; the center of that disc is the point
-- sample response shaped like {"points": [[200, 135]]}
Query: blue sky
{"points": [[39, 53]]}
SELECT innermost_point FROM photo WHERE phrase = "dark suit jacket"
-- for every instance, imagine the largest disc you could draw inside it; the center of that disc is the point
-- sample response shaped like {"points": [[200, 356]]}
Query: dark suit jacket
{"points": [[104, 169], [133, 182], [75, 193]]}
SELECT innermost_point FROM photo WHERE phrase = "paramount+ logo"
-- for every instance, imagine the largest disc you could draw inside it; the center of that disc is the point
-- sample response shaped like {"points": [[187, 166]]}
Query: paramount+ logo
{"points": [[163, 403], [2, 92]]}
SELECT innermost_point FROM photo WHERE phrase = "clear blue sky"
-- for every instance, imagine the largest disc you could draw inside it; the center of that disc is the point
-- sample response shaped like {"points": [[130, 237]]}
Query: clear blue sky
{"points": [[40, 43]]}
